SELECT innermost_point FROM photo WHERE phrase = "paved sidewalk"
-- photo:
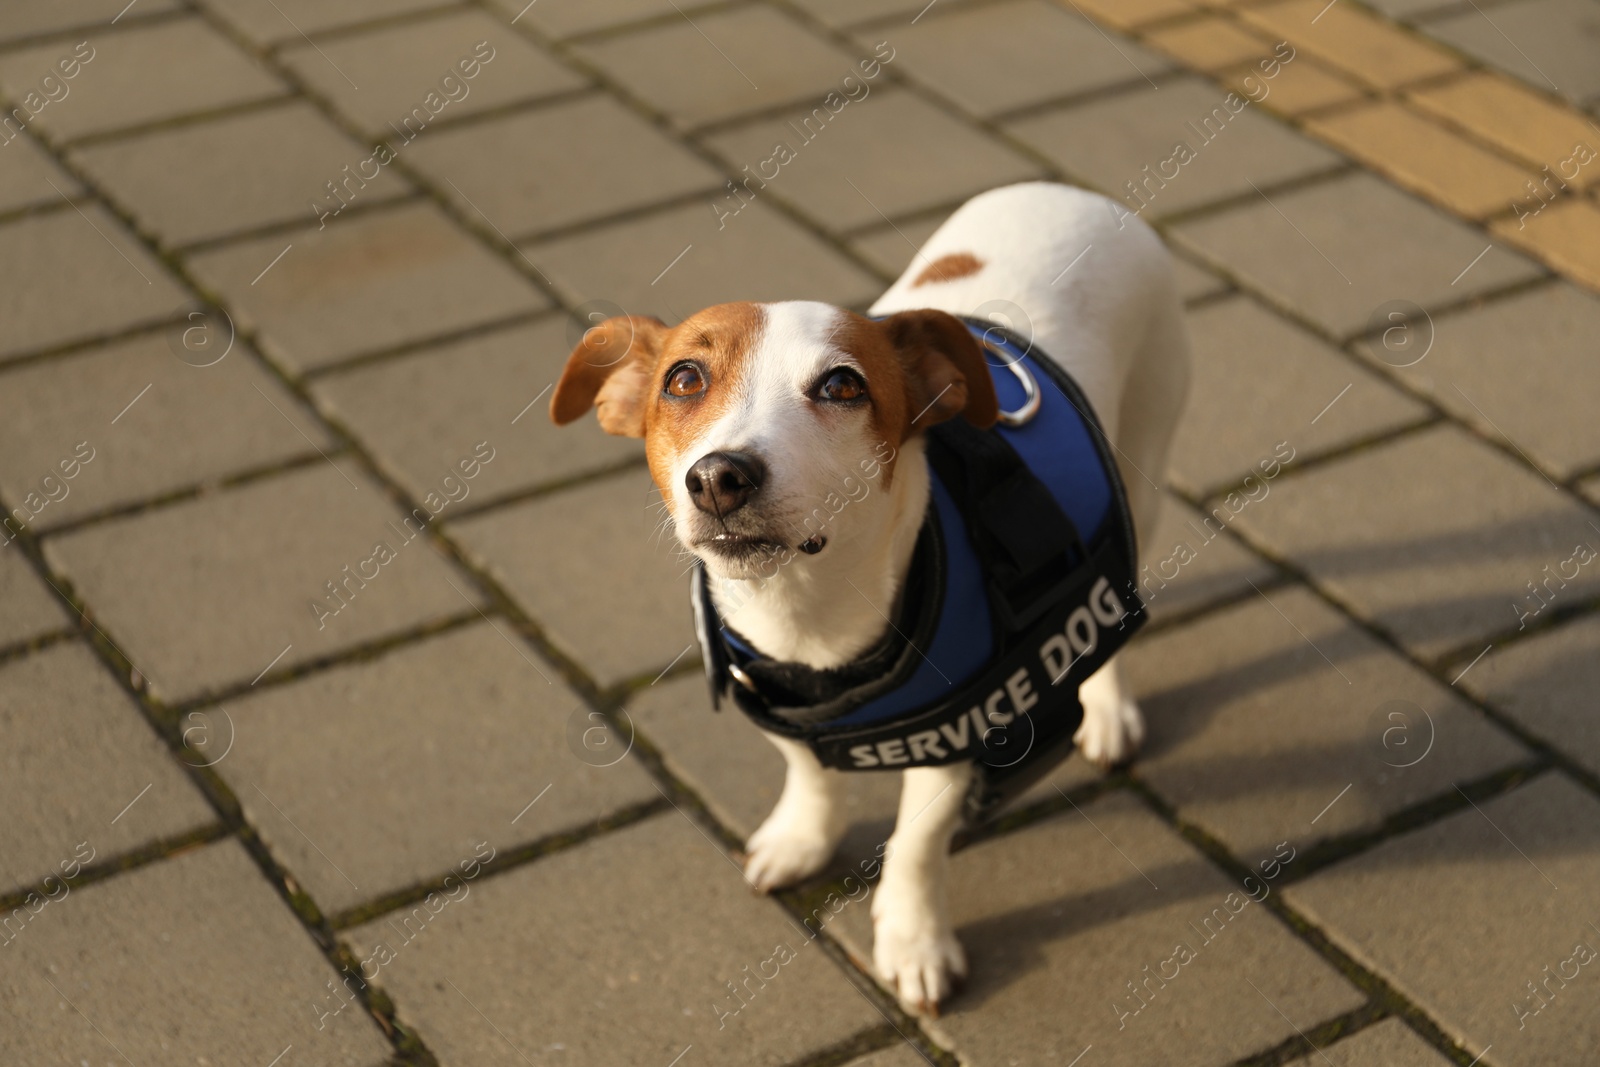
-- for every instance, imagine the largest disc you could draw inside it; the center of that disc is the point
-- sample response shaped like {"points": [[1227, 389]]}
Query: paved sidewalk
{"points": [[349, 711]]}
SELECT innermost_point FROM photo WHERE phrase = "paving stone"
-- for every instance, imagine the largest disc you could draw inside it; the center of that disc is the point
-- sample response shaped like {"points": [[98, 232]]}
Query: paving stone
{"points": [[889, 155], [144, 73], [1190, 566], [1425, 157], [28, 18], [1356, 41], [1550, 44], [1125, 14], [186, 960], [210, 592], [1046, 52], [30, 177], [47, 263], [675, 262], [414, 70], [898, 1055], [1462, 916], [31, 608], [1380, 246], [1590, 487], [1195, 282], [1552, 327], [892, 248], [1261, 715], [854, 12], [1547, 683], [642, 976], [238, 173], [365, 283], [266, 21], [363, 786], [1525, 123], [720, 65], [1301, 86], [570, 163], [1393, 532], [1256, 384], [194, 426], [1210, 43], [1123, 144], [1057, 920], [1390, 1043], [593, 568], [76, 755], [1565, 235], [564, 18], [422, 414]]}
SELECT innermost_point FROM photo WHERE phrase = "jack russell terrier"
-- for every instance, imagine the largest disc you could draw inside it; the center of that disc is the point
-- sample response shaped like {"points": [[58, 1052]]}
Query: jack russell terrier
{"points": [[958, 618]]}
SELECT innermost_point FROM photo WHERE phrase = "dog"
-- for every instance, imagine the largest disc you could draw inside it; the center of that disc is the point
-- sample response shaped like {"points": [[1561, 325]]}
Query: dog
{"points": [[749, 412]]}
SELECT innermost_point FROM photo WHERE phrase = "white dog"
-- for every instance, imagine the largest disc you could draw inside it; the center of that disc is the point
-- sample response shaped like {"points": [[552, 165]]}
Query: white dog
{"points": [[749, 413]]}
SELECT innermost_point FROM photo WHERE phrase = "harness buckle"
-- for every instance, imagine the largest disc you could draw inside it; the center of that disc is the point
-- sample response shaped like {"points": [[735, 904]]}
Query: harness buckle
{"points": [[1032, 399]]}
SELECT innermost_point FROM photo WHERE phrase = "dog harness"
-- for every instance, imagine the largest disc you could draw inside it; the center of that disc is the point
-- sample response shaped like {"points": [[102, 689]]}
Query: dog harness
{"points": [[1021, 586]]}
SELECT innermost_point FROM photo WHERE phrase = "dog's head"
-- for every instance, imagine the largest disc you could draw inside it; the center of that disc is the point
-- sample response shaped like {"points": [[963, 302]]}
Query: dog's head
{"points": [[772, 429]]}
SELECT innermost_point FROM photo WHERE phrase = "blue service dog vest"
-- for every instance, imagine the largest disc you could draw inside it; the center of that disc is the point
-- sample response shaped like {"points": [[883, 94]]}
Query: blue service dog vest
{"points": [[1021, 586]]}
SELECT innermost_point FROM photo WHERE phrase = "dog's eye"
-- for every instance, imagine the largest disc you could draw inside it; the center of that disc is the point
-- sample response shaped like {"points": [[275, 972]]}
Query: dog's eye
{"points": [[685, 380], [842, 385]]}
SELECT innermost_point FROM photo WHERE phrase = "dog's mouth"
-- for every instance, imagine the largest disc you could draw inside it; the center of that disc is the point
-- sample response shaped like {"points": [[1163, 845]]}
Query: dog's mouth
{"points": [[750, 548]]}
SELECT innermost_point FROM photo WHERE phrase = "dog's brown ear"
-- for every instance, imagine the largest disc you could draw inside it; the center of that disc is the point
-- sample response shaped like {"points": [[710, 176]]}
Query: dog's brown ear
{"points": [[610, 371], [945, 370]]}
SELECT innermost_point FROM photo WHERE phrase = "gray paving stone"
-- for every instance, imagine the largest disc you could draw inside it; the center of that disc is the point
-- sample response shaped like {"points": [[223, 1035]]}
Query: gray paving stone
{"points": [[1548, 684], [1390, 1043], [423, 413], [1057, 920], [188, 960], [664, 921], [1195, 282], [1109, 143], [1191, 564], [1542, 399], [1260, 391], [27, 18], [1044, 51], [673, 263], [592, 567], [725, 64], [266, 21], [364, 283], [1339, 251], [144, 73], [47, 263], [1462, 916], [1404, 9], [890, 154], [564, 18], [30, 177], [1590, 487], [209, 592], [851, 12], [897, 1055], [892, 248], [362, 785], [1434, 537], [417, 65], [238, 173], [1253, 732], [76, 754], [559, 165], [1551, 44], [194, 425], [31, 609]]}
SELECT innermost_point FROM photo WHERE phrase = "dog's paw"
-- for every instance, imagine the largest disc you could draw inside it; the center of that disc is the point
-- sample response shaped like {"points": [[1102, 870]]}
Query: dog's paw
{"points": [[923, 961], [1112, 730], [783, 852]]}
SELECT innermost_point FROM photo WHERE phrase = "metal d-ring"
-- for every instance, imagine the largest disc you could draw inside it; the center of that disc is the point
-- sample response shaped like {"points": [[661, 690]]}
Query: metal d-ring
{"points": [[1032, 399]]}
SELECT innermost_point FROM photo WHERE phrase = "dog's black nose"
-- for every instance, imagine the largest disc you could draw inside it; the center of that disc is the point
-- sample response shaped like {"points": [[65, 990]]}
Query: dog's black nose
{"points": [[720, 483]]}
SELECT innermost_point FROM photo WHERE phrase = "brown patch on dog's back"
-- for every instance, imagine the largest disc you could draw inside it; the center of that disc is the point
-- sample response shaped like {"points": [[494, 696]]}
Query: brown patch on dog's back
{"points": [[949, 268]]}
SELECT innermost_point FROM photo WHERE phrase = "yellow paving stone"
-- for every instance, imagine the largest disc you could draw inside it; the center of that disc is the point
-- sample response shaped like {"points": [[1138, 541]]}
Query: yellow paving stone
{"points": [[1564, 235], [1125, 14], [1425, 158], [1300, 86], [1356, 41], [1520, 121], [1210, 43]]}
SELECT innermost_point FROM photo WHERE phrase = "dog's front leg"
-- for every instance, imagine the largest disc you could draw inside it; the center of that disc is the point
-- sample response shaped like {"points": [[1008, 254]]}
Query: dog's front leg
{"points": [[913, 945], [800, 835]]}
